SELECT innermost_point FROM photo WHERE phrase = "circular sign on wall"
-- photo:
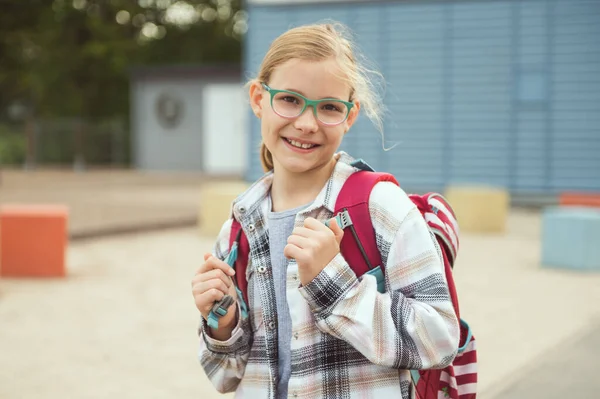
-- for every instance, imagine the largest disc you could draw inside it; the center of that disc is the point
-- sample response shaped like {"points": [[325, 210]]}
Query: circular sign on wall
{"points": [[169, 110]]}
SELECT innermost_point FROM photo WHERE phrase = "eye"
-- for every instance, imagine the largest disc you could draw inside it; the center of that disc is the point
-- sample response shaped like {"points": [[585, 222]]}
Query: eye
{"points": [[333, 107], [289, 99]]}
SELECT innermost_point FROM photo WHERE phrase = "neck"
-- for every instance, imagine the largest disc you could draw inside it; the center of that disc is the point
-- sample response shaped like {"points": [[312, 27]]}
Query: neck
{"points": [[290, 190]]}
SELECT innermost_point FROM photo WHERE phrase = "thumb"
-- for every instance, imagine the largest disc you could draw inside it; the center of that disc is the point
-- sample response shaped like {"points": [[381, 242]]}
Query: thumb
{"points": [[337, 230], [206, 256]]}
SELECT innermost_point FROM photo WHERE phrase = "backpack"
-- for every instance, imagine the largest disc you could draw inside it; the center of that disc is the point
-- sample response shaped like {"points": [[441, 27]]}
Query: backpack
{"points": [[459, 379]]}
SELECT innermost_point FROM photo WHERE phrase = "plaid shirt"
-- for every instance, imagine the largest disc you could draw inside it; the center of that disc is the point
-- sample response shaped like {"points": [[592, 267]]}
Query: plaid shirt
{"points": [[348, 340]]}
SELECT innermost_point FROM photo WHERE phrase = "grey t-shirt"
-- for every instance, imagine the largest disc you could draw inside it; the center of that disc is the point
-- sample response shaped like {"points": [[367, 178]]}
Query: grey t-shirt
{"points": [[281, 225]]}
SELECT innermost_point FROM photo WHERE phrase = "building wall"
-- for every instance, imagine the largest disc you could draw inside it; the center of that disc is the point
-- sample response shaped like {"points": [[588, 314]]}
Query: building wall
{"points": [[225, 131], [210, 135], [168, 148], [494, 92]]}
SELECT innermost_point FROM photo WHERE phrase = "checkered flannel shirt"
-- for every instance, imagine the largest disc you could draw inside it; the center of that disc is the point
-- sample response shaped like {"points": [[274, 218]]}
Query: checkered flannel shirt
{"points": [[348, 340]]}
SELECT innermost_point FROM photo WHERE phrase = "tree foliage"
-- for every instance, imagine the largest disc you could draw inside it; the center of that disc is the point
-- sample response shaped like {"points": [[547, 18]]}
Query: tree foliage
{"points": [[72, 58]]}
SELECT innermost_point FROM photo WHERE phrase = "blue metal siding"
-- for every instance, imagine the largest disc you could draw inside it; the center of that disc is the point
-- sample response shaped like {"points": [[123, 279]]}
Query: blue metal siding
{"points": [[530, 95], [575, 137], [503, 92], [415, 93], [364, 138], [480, 92]]}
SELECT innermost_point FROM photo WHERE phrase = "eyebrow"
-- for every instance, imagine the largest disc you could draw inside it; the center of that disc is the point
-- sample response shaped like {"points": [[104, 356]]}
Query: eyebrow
{"points": [[323, 98]]}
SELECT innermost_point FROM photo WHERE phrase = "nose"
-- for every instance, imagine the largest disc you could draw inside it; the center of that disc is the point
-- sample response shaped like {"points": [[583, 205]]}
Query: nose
{"points": [[307, 122]]}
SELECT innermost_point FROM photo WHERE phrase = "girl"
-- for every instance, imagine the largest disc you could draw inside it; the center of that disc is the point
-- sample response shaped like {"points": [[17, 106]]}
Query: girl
{"points": [[315, 330]]}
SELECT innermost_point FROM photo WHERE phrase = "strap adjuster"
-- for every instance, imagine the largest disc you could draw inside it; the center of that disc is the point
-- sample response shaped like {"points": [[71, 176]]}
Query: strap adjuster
{"points": [[219, 310], [343, 220]]}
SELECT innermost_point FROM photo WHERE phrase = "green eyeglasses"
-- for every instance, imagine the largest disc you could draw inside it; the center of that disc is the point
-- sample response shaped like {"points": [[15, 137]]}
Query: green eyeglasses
{"points": [[289, 104]]}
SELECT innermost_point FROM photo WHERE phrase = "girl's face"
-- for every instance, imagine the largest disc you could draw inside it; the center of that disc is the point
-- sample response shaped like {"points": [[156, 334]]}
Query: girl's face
{"points": [[283, 136]]}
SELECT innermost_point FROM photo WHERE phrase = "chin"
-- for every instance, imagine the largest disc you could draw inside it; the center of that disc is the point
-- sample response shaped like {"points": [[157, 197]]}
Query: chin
{"points": [[297, 167], [302, 165]]}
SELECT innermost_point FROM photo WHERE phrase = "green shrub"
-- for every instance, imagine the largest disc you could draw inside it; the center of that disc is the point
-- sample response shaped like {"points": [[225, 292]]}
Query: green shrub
{"points": [[13, 146]]}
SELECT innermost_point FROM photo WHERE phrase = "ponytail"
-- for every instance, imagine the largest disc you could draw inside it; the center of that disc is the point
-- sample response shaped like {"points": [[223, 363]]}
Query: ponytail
{"points": [[266, 158]]}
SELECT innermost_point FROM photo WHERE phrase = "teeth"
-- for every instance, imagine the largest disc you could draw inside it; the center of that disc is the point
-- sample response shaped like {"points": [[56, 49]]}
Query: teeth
{"points": [[300, 145]]}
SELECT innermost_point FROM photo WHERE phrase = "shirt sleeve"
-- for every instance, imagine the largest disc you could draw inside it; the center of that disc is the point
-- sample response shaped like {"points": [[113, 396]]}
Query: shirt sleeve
{"points": [[224, 362], [413, 324]]}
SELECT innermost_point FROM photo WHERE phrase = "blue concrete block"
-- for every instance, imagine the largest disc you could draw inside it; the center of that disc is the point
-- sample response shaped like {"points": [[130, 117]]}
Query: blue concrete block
{"points": [[571, 238]]}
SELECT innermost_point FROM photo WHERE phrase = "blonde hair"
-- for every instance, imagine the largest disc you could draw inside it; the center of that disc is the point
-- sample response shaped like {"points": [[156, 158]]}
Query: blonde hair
{"points": [[318, 42]]}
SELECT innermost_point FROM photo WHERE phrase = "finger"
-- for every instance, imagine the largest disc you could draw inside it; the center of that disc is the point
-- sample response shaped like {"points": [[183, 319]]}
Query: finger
{"points": [[204, 267], [206, 300], [314, 224], [299, 241], [216, 263], [203, 286], [233, 292], [337, 230], [291, 251], [213, 274], [302, 232]]}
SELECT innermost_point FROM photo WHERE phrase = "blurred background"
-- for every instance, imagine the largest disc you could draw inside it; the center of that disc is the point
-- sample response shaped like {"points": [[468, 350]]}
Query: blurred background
{"points": [[70, 71], [133, 115]]}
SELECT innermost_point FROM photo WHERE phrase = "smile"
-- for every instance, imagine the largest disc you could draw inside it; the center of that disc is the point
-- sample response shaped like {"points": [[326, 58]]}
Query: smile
{"points": [[299, 145]]}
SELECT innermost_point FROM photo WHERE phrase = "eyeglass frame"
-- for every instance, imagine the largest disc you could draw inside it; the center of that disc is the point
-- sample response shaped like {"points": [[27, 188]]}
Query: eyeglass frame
{"points": [[308, 103]]}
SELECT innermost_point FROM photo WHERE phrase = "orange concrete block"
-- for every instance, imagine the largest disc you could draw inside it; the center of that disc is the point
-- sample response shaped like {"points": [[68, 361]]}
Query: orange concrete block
{"points": [[33, 240], [580, 199]]}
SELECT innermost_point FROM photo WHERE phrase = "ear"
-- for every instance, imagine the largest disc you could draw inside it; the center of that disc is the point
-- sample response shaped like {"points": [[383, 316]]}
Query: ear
{"points": [[256, 93], [352, 116]]}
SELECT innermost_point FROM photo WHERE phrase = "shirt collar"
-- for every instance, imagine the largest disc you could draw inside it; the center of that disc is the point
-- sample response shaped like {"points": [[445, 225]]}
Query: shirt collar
{"points": [[258, 192]]}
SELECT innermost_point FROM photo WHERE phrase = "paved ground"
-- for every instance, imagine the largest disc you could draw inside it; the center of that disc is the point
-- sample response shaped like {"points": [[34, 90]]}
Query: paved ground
{"points": [[520, 312], [105, 201], [123, 323], [569, 370]]}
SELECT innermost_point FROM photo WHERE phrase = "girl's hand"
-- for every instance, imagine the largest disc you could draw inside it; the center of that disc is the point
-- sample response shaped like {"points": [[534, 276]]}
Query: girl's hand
{"points": [[313, 246], [211, 283]]}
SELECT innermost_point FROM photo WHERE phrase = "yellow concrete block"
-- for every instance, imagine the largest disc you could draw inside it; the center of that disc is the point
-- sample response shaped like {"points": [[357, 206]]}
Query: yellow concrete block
{"points": [[479, 209], [215, 204]]}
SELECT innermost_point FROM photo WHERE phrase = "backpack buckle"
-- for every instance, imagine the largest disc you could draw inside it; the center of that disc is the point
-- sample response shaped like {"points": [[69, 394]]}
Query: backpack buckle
{"points": [[219, 310], [362, 165], [221, 307], [343, 220]]}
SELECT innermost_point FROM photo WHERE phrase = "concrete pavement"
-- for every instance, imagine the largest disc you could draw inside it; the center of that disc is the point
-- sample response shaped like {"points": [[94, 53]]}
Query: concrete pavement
{"points": [[569, 370], [106, 202], [123, 323]]}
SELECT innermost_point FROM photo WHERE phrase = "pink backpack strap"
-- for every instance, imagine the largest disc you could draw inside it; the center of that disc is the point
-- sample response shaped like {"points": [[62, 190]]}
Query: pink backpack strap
{"points": [[241, 263], [354, 198], [441, 219]]}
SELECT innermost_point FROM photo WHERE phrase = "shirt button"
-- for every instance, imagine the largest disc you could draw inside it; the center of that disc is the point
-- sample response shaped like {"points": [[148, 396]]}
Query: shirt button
{"points": [[296, 335], [271, 325], [261, 269], [251, 227], [295, 277], [242, 209]]}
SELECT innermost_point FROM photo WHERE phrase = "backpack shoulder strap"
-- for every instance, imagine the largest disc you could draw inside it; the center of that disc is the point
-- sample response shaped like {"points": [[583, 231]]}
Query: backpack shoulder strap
{"points": [[237, 259], [359, 247], [440, 218], [241, 263]]}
